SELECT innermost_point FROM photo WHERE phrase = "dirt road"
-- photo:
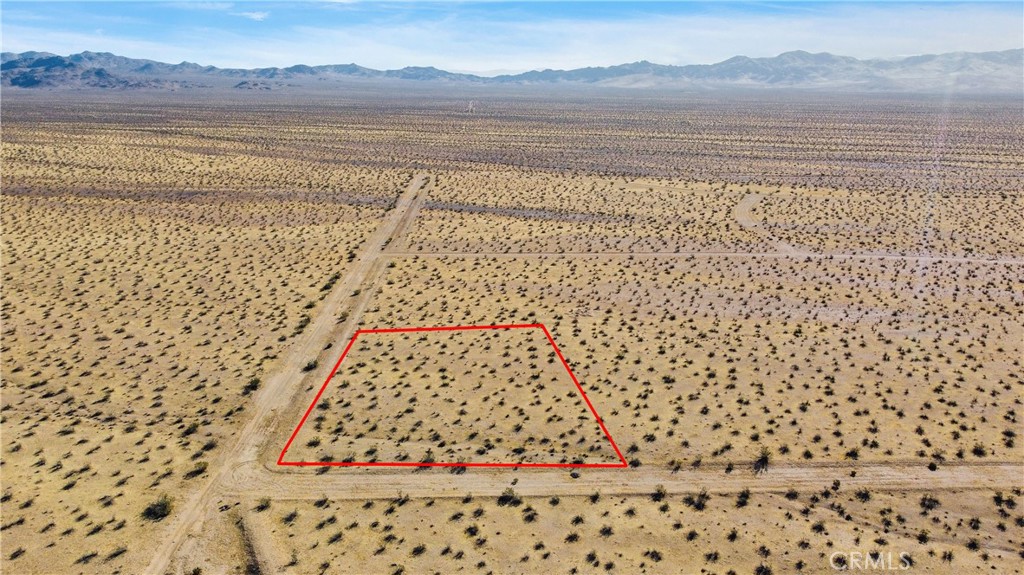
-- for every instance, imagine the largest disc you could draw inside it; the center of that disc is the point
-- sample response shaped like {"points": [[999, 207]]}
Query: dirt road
{"points": [[744, 217], [713, 253], [280, 389], [253, 480]]}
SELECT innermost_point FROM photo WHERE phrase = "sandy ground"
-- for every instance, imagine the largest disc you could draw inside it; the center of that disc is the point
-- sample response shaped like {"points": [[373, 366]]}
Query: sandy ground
{"points": [[857, 335]]}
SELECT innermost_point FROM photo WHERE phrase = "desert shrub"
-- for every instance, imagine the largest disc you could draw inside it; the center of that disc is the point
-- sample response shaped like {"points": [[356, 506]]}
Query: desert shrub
{"points": [[159, 509], [509, 497]]}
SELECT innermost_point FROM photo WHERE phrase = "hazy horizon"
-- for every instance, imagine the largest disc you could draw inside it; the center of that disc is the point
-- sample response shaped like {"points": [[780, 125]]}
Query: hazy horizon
{"points": [[492, 38], [490, 74]]}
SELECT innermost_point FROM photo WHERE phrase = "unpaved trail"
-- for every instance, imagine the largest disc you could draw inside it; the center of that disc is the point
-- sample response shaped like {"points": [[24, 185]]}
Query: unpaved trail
{"points": [[279, 389], [253, 480], [713, 253], [743, 216]]}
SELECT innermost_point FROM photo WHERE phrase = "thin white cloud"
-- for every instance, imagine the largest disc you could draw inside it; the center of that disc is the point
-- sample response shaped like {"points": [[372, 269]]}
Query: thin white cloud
{"points": [[25, 15], [222, 6], [863, 31], [257, 16], [25, 39]]}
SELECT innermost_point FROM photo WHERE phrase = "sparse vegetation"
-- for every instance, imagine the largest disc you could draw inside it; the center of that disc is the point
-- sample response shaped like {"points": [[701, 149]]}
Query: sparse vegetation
{"points": [[734, 281]]}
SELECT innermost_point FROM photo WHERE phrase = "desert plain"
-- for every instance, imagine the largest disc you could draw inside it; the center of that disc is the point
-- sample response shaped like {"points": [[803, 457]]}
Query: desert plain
{"points": [[797, 317]]}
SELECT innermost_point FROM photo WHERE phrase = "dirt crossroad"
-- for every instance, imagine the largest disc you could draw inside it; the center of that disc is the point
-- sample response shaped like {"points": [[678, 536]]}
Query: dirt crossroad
{"points": [[280, 389]]}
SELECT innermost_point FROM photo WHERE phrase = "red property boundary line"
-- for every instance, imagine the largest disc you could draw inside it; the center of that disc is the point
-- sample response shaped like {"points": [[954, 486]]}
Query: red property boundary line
{"points": [[280, 460]]}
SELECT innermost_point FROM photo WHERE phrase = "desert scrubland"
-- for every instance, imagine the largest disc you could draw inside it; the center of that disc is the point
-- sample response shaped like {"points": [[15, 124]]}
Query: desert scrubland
{"points": [[798, 316]]}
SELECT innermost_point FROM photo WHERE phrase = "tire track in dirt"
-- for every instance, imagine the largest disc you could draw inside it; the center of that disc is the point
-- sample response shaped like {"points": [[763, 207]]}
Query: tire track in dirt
{"points": [[279, 390], [711, 253], [746, 221], [254, 480]]}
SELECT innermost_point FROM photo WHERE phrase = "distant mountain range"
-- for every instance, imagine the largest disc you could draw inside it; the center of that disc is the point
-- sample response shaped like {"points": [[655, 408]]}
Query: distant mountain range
{"points": [[961, 72]]}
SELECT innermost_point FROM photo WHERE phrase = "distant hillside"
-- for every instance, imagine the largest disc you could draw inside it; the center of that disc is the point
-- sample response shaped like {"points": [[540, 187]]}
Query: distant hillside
{"points": [[962, 72]]}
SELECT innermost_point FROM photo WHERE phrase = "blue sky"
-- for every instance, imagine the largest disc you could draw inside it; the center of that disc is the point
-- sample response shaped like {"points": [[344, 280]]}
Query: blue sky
{"points": [[495, 37]]}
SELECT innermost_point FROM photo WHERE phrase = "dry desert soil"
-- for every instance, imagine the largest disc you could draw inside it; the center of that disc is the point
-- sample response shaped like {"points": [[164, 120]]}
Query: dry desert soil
{"points": [[797, 316]]}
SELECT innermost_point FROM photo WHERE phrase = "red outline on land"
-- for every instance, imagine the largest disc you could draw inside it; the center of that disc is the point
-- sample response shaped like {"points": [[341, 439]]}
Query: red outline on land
{"points": [[600, 422]]}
